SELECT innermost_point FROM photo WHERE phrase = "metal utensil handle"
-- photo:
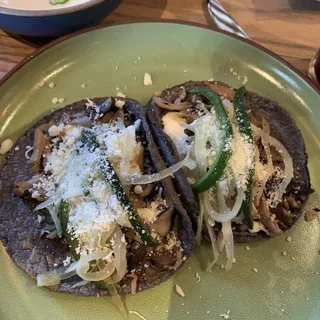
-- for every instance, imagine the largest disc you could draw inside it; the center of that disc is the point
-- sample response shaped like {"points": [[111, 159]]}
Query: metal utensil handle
{"points": [[223, 19]]}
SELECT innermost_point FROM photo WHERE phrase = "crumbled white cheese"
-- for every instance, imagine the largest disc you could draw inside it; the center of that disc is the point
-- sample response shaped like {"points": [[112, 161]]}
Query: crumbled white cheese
{"points": [[61, 100], [16, 148], [75, 176], [51, 85], [151, 213], [40, 218], [54, 131], [6, 146], [55, 100], [179, 291], [120, 104], [147, 80]]}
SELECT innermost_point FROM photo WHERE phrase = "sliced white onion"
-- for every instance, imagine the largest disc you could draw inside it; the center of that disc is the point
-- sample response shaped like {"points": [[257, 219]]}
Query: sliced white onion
{"points": [[52, 205], [120, 254], [204, 214], [228, 236], [226, 225], [288, 171], [214, 247], [129, 146], [47, 203], [228, 215], [146, 178], [106, 265], [54, 277]]}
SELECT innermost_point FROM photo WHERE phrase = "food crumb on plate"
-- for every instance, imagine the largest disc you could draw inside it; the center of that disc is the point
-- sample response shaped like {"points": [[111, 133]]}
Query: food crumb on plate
{"points": [[61, 100], [247, 248], [16, 148], [51, 85], [6, 146], [198, 279], [55, 100], [284, 253], [147, 80], [289, 239], [255, 270], [83, 85], [179, 291]]}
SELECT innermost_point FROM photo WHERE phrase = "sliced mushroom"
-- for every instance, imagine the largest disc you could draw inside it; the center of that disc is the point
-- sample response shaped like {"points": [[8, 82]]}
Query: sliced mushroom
{"points": [[265, 125], [266, 220], [221, 90], [221, 242], [189, 114], [293, 204], [170, 106], [38, 148], [283, 215], [147, 189], [45, 127], [182, 96], [163, 224]]}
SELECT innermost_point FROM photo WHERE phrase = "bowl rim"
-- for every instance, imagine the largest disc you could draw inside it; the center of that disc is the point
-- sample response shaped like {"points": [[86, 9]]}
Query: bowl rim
{"points": [[51, 12], [51, 44]]}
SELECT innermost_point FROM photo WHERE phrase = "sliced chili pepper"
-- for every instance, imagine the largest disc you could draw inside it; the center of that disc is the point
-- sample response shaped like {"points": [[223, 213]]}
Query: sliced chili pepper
{"points": [[210, 178], [90, 140], [246, 132], [64, 218]]}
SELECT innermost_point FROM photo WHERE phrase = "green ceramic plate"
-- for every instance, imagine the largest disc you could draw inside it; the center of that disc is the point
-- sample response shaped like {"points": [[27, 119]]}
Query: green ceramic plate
{"points": [[114, 58]]}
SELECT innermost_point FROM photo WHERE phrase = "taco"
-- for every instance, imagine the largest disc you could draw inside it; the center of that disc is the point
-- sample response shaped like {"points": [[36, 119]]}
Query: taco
{"points": [[72, 217], [252, 177]]}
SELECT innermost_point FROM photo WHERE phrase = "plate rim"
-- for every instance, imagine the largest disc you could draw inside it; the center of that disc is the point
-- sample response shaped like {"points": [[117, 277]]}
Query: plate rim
{"points": [[51, 44]]}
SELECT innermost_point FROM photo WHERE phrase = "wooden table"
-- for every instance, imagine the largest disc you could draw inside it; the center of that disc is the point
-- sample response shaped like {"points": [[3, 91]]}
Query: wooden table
{"points": [[290, 28]]}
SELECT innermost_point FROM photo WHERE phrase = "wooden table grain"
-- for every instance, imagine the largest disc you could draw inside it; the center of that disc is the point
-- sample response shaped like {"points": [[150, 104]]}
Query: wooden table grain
{"points": [[289, 28]]}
